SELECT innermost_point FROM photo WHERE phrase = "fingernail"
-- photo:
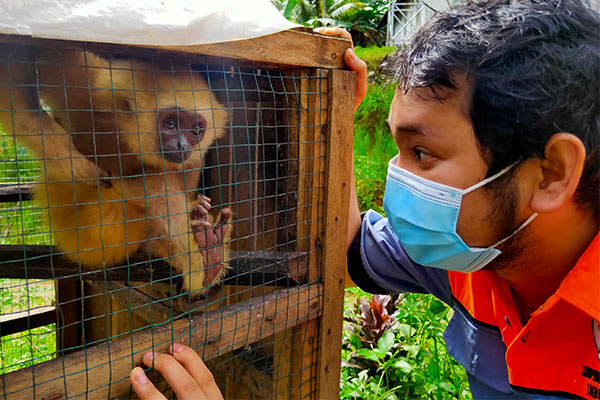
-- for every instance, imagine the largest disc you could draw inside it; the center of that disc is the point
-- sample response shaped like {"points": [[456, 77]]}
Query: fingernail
{"points": [[149, 356], [140, 377], [177, 347], [351, 53]]}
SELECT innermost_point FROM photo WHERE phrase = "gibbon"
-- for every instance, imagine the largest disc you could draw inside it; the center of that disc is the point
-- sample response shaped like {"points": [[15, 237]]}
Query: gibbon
{"points": [[122, 145]]}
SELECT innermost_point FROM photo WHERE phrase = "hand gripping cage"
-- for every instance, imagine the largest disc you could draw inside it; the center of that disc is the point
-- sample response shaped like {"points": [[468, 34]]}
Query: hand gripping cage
{"points": [[117, 164]]}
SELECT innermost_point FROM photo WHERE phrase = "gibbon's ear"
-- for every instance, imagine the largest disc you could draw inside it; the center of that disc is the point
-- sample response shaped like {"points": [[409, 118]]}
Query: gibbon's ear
{"points": [[561, 171]]}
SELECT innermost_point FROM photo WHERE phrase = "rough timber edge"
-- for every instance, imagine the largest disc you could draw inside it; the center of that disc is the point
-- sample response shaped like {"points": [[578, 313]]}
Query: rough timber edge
{"points": [[298, 47]]}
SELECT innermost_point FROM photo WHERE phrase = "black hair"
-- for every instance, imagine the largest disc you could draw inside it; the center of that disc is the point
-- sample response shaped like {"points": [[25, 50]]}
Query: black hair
{"points": [[535, 70]]}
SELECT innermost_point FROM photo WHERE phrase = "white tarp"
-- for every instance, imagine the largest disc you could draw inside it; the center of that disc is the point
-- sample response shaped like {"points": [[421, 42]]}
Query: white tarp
{"points": [[142, 22]]}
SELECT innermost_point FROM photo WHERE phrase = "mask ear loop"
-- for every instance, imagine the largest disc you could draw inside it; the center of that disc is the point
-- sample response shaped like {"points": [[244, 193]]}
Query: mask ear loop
{"points": [[488, 180], [491, 178], [523, 225]]}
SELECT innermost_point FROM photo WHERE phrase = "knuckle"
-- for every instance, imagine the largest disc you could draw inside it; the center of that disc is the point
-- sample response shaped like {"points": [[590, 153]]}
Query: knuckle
{"points": [[189, 386], [206, 380]]}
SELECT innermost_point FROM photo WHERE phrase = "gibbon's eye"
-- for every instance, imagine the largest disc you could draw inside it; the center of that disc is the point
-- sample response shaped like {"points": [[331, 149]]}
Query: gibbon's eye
{"points": [[199, 129], [170, 123]]}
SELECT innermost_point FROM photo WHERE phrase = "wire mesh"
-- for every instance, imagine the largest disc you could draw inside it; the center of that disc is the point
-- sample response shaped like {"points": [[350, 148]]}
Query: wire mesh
{"points": [[108, 244]]}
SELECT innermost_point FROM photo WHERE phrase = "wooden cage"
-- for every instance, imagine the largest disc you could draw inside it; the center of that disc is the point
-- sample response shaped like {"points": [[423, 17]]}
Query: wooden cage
{"points": [[271, 327]]}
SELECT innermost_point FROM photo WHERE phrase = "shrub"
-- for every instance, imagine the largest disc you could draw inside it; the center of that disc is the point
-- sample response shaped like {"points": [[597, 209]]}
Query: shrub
{"points": [[393, 348]]}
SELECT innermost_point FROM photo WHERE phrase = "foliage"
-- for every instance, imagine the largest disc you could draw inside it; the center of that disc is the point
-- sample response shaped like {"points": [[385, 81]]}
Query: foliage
{"points": [[362, 18], [20, 223], [373, 143], [373, 56], [393, 347], [33, 346]]}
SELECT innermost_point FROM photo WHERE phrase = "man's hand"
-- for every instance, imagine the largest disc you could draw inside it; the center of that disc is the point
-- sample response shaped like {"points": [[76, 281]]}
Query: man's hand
{"points": [[354, 63], [184, 371]]}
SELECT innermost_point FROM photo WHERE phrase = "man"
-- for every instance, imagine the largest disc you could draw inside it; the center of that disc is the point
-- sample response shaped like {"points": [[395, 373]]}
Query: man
{"points": [[493, 200]]}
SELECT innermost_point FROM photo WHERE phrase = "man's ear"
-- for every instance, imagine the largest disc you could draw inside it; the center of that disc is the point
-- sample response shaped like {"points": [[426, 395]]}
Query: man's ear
{"points": [[561, 171]]}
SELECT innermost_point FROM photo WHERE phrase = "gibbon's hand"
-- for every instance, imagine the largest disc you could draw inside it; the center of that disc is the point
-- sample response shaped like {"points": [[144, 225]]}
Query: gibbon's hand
{"points": [[183, 370], [210, 238], [354, 63]]}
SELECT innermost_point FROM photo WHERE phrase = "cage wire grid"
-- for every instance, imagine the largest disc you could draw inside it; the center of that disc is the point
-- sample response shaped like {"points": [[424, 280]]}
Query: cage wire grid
{"points": [[259, 151]]}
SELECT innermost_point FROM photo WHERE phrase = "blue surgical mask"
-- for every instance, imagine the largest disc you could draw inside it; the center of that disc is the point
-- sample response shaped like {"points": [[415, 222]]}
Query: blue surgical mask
{"points": [[423, 214]]}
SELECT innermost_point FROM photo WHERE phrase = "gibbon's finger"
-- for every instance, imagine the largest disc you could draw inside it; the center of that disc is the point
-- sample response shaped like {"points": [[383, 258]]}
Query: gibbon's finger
{"points": [[199, 213], [192, 362], [103, 178], [180, 380], [142, 386], [335, 31], [222, 227], [360, 67], [205, 204], [226, 214]]}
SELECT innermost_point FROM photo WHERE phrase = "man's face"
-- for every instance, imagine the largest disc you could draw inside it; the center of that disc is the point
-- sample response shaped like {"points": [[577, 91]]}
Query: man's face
{"points": [[436, 141]]}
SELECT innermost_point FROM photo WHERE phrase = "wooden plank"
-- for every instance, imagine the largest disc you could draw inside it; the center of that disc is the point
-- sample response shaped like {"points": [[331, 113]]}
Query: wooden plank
{"points": [[290, 47], [213, 334], [13, 192], [339, 164], [69, 327], [247, 268], [310, 210], [21, 321], [134, 300]]}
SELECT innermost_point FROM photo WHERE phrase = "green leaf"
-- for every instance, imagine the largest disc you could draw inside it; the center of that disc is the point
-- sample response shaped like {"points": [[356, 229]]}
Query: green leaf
{"points": [[405, 330], [412, 350], [355, 340], [289, 8], [368, 354], [386, 341], [436, 307], [404, 366]]}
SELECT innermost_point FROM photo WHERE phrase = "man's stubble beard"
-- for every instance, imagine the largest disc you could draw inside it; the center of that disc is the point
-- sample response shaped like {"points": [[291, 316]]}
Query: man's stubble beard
{"points": [[504, 217]]}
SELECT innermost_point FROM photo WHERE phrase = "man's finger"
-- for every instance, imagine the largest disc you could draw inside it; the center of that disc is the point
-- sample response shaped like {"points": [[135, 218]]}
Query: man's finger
{"points": [[360, 67], [335, 31], [180, 380], [142, 386], [193, 363]]}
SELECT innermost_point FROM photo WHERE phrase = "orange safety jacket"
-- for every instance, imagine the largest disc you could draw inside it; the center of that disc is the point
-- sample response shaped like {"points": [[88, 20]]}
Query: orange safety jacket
{"points": [[555, 355], [557, 352]]}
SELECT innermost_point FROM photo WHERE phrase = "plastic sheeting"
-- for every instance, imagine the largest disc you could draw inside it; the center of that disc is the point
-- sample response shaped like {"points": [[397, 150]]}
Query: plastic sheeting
{"points": [[142, 22]]}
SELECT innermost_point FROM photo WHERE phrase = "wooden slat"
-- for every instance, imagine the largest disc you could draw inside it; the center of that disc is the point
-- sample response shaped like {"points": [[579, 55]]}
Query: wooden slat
{"points": [[28, 319], [13, 192], [310, 211], [339, 164], [291, 47], [101, 371], [247, 268], [69, 326], [135, 301]]}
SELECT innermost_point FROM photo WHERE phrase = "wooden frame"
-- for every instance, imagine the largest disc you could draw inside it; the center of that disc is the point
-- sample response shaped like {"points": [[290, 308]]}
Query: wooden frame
{"points": [[304, 317]]}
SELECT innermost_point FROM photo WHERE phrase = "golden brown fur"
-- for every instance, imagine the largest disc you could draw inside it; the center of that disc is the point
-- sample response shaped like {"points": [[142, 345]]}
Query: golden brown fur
{"points": [[104, 122]]}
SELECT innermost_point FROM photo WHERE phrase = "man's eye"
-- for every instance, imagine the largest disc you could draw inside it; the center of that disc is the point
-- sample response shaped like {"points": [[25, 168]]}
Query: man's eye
{"points": [[419, 154], [170, 123]]}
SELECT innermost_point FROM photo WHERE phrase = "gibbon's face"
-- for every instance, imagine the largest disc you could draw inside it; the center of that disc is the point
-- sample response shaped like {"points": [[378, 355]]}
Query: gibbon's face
{"points": [[177, 118], [181, 131]]}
